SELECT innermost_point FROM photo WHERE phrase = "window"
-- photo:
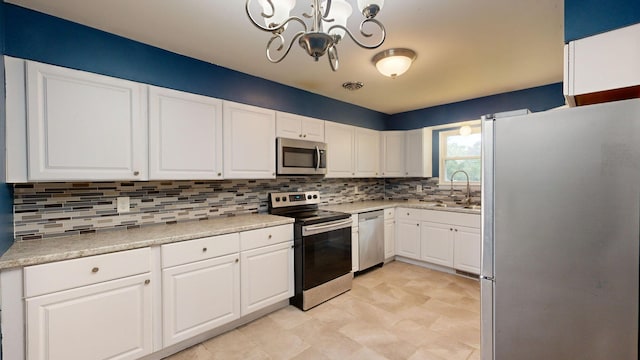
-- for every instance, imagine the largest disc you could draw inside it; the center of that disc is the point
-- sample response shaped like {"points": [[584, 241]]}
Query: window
{"points": [[460, 152]]}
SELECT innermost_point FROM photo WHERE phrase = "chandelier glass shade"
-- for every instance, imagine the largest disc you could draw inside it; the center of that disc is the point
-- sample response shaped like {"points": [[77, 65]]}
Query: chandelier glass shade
{"points": [[320, 33]]}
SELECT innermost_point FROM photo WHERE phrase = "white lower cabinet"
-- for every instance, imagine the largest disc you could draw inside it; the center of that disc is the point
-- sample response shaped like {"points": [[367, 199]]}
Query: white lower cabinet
{"points": [[389, 233], [467, 249], [200, 295], [267, 276], [408, 232], [442, 238], [436, 243], [266, 268], [104, 320]]}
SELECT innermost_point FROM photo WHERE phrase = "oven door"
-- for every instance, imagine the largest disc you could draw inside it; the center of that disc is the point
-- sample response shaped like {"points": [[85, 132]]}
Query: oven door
{"points": [[326, 252]]}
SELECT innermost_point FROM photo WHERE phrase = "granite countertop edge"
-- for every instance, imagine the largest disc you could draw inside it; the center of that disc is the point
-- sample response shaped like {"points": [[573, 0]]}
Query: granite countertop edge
{"points": [[35, 252], [373, 205]]}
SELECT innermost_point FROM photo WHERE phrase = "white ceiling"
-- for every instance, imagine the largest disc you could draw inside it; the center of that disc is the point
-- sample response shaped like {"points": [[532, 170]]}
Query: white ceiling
{"points": [[466, 48]]}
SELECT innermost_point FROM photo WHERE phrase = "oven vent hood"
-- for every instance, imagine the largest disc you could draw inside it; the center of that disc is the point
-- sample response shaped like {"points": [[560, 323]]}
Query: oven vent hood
{"points": [[603, 67]]}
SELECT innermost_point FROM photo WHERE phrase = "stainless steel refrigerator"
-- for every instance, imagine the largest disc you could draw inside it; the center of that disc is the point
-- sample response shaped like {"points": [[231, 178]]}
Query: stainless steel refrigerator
{"points": [[561, 199]]}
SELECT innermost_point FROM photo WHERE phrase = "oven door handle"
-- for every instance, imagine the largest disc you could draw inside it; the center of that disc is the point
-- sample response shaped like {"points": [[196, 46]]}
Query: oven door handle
{"points": [[325, 227], [317, 158]]}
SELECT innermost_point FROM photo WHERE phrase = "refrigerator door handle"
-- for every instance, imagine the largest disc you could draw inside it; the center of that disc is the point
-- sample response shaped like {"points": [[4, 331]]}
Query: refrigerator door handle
{"points": [[487, 215]]}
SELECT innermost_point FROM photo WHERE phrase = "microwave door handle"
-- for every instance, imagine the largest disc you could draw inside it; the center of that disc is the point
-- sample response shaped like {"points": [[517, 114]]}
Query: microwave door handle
{"points": [[317, 158]]}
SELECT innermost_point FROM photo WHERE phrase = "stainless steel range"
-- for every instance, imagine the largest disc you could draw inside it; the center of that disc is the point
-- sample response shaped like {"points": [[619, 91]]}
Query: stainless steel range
{"points": [[322, 247]]}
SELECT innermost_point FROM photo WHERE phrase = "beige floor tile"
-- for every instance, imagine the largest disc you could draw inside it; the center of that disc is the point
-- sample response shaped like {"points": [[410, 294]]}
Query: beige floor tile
{"points": [[400, 311]]}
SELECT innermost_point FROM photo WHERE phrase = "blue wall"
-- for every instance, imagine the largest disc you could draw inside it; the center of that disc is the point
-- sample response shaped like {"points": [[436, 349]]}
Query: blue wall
{"points": [[535, 99], [6, 190], [37, 36], [584, 18]]}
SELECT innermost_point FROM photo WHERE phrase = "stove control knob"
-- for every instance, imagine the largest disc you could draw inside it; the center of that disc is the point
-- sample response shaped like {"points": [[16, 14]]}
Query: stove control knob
{"points": [[277, 199], [315, 196], [309, 197], [284, 199]]}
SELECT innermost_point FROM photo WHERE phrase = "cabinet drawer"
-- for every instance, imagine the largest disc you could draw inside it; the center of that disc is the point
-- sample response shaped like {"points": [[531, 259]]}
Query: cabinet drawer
{"points": [[185, 252], [63, 275], [390, 214], [268, 236], [452, 218], [406, 214]]}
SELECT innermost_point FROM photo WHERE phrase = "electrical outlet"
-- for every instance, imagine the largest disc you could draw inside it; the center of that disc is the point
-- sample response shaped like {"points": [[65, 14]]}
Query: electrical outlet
{"points": [[355, 189], [419, 188], [122, 204]]}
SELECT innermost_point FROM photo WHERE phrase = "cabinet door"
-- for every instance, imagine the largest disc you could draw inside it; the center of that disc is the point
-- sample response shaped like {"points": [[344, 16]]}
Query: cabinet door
{"points": [[437, 243], [288, 126], [418, 153], [249, 142], [603, 62], [408, 239], [84, 126], [313, 129], [340, 150], [467, 249], [367, 152], [389, 239], [299, 127], [266, 276], [200, 296], [392, 151], [110, 320], [185, 135]]}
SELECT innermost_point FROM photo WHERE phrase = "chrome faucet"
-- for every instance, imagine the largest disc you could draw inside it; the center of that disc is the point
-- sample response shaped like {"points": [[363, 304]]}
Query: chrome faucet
{"points": [[468, 187]]}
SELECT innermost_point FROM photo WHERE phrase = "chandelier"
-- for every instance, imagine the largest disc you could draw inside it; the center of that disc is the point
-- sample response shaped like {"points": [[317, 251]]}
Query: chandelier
{"points": [[327, 27]]}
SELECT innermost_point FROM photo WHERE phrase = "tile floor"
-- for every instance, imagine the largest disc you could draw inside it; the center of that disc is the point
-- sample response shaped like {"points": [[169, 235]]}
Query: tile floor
{"points": [[399, 311]]}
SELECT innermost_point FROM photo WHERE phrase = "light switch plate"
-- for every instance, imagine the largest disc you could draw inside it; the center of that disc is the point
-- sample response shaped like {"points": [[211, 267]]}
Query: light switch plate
{"points": [[419, 188], [355, 189], [122, 204]]}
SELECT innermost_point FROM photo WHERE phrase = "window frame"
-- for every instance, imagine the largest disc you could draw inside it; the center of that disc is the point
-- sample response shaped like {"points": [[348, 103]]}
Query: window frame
{"points": [[458, 181]]}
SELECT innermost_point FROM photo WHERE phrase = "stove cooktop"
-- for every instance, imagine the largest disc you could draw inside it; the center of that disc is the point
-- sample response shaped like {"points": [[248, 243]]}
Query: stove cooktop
{"points": [[303, 207]]}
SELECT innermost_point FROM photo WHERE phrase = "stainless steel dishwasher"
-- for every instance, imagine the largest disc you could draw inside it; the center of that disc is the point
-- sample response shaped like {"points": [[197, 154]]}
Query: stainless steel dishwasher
{"points": [[370, 239]]}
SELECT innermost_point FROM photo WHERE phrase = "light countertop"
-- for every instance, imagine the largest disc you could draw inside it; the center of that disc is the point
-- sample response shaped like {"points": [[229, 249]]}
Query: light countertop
{"points": [[32, 252], [372, 205]]}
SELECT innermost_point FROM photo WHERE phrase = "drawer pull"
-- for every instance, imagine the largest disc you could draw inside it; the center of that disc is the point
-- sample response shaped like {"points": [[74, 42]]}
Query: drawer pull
{"points": [[136, 173], [146, 282], [237, 260], [95, 270], [450, 229], [204, 249], [270, 236]]}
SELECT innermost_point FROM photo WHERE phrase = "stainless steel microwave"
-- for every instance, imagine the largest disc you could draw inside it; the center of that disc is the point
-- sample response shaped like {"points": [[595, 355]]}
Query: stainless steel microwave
{"points": [[301, 157]]}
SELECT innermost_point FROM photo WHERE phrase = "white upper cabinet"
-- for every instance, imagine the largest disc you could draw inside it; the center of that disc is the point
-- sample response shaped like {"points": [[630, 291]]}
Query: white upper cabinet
{"points": [[340, 140], [418, 153], [299, 127], [352, 151], [84, 126], [602, 62], [249, 141], [367, 152], [392, 153], [185, 135]]}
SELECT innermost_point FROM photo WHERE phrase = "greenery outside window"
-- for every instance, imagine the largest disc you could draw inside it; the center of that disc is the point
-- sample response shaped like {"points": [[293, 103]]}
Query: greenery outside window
{"points": [[460, 152]]}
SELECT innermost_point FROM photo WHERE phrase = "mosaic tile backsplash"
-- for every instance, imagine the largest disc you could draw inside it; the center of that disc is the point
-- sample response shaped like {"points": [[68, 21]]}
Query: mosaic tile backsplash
{"points": [[43, 210]]}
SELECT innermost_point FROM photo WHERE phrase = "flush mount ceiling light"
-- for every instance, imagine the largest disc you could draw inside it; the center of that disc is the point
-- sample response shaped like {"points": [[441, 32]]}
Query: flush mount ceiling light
{"points": [[353, 85], [465, 130], [327, 26], [393, 62]]}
